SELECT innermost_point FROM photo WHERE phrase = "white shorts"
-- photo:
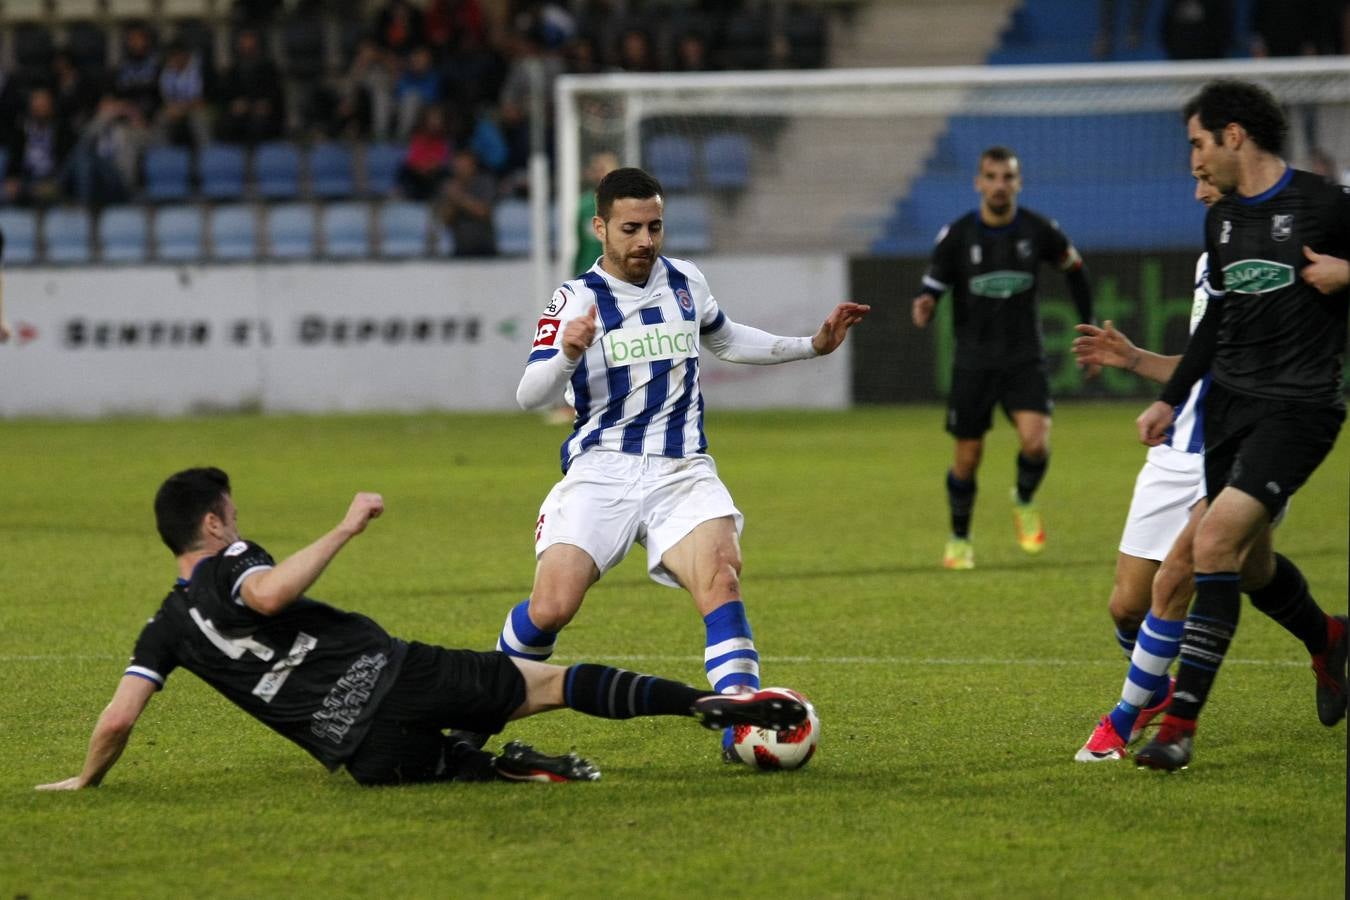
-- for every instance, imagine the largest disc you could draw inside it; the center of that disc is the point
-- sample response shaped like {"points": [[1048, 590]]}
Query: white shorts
{"points": [[1163, 497], [609, 501]]}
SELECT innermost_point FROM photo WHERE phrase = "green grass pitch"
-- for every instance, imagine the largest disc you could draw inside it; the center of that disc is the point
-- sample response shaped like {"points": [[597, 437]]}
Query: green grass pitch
{"points": [[952, 703]]}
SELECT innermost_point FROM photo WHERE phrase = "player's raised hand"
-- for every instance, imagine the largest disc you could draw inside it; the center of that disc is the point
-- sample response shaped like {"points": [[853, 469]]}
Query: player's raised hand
{"points": [[921, 310], [836, 326], [1104, 346], [365, 506], [1328, 274], [579, 333], [1154, 422]]}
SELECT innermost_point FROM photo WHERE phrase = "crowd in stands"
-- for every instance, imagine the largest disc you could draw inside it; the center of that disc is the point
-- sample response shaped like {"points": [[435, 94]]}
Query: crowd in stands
{"points": [[447, 82]]}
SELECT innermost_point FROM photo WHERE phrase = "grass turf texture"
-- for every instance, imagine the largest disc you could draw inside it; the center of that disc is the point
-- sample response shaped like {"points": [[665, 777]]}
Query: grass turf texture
{"points": [[952, 702]]}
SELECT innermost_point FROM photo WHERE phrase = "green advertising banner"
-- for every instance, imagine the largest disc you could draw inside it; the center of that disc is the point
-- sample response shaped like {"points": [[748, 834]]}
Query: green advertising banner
{"points": [[1147, 295]]}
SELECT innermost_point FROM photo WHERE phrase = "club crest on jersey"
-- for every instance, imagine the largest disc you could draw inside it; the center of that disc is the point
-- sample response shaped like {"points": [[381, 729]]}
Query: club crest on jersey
{"points": [[236, 548], [976, 254], [686, 302], [1257, 276], [1281, 226], [546, 332], [1024, 248]]}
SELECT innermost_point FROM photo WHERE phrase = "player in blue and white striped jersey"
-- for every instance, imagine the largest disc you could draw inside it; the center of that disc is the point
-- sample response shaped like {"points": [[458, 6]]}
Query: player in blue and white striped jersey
{"points": [[623, 340]]}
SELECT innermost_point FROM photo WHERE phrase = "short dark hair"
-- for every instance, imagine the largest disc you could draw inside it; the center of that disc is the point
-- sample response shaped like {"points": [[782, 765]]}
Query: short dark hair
{"points": [[1249, 105], [624, 183], [183, 500], [997, 153]]}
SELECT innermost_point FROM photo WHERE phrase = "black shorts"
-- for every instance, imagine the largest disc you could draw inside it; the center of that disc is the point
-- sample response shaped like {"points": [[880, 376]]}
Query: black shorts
{"points": [[1265, 448], [436, 689], [975, 392]]}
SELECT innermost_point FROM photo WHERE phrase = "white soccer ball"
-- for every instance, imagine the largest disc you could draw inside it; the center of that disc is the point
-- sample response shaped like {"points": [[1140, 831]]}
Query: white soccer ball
{"points": [[790, 748]]}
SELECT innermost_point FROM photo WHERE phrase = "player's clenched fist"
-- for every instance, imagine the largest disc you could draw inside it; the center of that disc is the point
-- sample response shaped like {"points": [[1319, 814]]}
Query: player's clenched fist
{"points": [[579, 333], [1154, 422], [365, 506], [921, 310]]}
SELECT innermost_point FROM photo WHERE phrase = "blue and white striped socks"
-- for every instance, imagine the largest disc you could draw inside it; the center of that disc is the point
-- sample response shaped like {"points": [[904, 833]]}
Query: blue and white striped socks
{"points": [[521, 638], [729, 657], [1157, 646]]}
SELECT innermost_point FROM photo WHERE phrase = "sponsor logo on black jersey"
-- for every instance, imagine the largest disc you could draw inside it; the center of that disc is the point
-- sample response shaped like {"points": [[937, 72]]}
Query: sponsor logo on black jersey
{"points": [[1002, 284], [1257, 276]]}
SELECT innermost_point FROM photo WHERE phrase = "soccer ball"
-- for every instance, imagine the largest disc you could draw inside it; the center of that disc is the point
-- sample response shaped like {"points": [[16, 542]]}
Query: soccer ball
{"points": [[790, 748]]}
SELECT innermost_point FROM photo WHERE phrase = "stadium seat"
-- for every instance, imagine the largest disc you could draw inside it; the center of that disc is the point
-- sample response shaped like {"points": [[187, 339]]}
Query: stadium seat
{"points": [[688, 225], [511, 220], [276, 169], [726, 161], [221, 168], [178, 233], [122, 234], [290, 231], [382, 162], [20, 229], [234, 232], [168, 171], [670, 157], [346, 230], [66, 234], [330, 171], [403, 229]]}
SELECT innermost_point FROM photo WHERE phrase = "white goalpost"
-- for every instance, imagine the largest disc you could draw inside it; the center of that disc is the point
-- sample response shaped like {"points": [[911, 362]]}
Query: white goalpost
{"points": [[838, 161]]}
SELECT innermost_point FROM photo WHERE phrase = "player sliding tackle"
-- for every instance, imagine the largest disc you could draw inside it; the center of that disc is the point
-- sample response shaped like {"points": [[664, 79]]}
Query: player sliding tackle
{"points": [[339, 685]]}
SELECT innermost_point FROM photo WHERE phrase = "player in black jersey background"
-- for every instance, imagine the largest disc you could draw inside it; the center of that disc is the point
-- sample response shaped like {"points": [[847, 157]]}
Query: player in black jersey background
{"points": [[338, 684], [989, 260], [1273, 339]]}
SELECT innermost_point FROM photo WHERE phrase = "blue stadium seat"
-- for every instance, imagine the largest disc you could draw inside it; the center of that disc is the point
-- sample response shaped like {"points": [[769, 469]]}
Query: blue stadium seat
{"points": [[511, 220], [178, 233], [290, 231], [276, 169], [20, 229], [67, 235], [726, 161], [234, 232], [168, 172], [122, 232], [403, 229], [346, 230], [382, 162], [688, 225], [221, 168], [330, 171], [670, 157]]}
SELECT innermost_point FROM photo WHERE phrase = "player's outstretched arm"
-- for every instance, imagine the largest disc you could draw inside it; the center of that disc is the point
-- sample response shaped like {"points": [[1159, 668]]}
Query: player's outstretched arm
{"points": [[1107, 346], [110, 734], [836, 326], [272, 590], [1328, 274]]}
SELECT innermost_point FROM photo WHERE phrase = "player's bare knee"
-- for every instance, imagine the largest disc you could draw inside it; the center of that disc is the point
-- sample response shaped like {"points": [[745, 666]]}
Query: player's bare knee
{"points": [[551, 610], [1126, 611], [726, 580]]}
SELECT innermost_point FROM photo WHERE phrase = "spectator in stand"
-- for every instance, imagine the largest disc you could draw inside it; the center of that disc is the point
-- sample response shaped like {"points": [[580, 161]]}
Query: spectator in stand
{"points": [[635, 51], [428, 159], [1105, 45], [580, 56], [534, 67], [74, 93], [450, 23], [366, 95], [1298, 27], [691, 53], [182, 94], [398, 27], [466, 207], [251, 94], [137, 76], [473, 75], [103, 166], [1197, 29], [417, 88], [38, 148]]}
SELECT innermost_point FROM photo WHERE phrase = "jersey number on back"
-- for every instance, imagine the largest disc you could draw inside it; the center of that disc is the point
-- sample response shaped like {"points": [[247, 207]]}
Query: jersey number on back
{"points": [[236, 647]]}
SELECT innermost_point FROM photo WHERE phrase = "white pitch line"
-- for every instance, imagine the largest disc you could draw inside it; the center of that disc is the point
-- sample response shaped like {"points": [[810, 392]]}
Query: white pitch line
{"points": [[818, 660]]}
